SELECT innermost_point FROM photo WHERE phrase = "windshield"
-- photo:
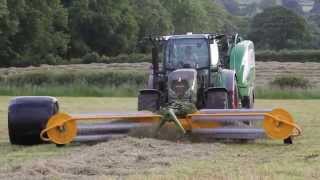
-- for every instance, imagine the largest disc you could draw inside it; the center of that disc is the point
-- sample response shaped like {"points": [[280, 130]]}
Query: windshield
{"points": [[187, 53]]}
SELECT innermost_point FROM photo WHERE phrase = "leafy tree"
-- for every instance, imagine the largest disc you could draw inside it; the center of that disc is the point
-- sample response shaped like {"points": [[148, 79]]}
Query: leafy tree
{"points": [[33, 30], [66, 3], [267, 4], [315, 19], [6, 29], [47, 31], [231, 6], [3, 8], [152, 18], [316, 7], [314, 28], [278, 28], [197, 16], [292, 5], [251, 10], [314, 24], [187, 15], [104, 26]]}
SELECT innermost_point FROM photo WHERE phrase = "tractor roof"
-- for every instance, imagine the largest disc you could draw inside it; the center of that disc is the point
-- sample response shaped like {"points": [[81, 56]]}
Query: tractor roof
{"points": [[185, 36]]}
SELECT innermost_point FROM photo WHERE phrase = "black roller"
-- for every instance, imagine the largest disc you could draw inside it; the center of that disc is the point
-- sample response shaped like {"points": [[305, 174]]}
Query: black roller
{"points": [[108, 128], [27, 116], [216, 111], [98, 138], [228, 119], [232, 133]]}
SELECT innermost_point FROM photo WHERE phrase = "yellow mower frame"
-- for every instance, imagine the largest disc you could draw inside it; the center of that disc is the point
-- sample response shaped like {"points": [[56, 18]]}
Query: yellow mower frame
{"points": [[277, 124]]}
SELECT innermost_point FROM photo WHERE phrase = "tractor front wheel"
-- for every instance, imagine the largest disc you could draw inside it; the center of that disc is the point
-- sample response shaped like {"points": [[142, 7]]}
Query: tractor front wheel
{"points": [[149, 100]]}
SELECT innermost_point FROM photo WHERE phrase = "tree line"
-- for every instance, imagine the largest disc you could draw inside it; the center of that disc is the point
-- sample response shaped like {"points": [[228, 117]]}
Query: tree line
{"points": [[47, 31], [36, 32]]}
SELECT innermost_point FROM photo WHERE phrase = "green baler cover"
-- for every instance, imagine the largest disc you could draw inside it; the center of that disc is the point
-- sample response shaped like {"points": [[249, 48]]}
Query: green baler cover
{"points": [[242, 60]]}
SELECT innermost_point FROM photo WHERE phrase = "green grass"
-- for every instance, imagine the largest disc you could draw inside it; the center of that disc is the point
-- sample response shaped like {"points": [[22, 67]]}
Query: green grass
{"points": [[73, 81], [286, 93], [299, 55], [81, 90], [70, 90], [265, 159]]}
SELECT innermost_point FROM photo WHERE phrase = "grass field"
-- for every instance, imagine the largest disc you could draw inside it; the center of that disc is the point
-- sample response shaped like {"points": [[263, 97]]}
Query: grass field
{"points": [[125, 79], [264, 159]]}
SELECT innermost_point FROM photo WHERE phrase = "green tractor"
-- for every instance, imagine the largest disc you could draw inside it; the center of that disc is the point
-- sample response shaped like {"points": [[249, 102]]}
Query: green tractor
{"points": [[211, 71]]}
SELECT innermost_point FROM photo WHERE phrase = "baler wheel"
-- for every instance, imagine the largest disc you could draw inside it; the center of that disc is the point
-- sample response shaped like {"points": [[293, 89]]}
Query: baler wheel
{"points": [[27, 116], [248, 101]]}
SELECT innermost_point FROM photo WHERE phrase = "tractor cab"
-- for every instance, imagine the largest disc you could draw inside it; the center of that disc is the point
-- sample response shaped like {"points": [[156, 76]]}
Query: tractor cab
{"points": [[190, 51]]}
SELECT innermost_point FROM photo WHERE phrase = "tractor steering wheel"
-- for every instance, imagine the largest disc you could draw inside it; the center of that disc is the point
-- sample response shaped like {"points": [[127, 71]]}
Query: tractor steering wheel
{"points": [[183, 64]]}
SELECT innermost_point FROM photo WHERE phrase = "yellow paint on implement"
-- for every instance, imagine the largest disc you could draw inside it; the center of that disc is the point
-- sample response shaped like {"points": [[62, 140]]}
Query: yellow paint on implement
{"points": [[62, 128], [278, 124]]}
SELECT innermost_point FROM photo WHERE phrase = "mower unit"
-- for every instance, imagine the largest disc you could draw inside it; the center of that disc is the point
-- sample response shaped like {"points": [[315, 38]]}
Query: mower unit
{"points": [[214, 74]]}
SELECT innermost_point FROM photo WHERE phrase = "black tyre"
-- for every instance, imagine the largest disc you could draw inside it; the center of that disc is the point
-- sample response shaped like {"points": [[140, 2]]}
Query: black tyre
{"points": [[28, 116], [216, 98], [248, 101], [149, 100]]}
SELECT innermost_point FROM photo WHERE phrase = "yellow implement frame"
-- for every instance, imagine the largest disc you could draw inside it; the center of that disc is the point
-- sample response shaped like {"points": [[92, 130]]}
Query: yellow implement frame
{"points": [[62, 128]]}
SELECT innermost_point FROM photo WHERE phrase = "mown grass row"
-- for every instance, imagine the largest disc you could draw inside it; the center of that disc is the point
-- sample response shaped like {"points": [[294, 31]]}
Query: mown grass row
{"points": [[80, 90], [287, 93], [300, 55], [99, 78], [92, 83], [72, 90], [113, 83]]}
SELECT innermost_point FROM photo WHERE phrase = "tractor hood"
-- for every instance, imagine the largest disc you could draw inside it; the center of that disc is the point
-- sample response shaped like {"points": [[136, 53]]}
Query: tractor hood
{"points": [[182, 85]]}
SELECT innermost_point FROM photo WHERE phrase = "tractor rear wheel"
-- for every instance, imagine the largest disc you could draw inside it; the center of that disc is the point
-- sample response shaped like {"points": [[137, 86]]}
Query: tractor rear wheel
{"points": [[28, 116]]}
